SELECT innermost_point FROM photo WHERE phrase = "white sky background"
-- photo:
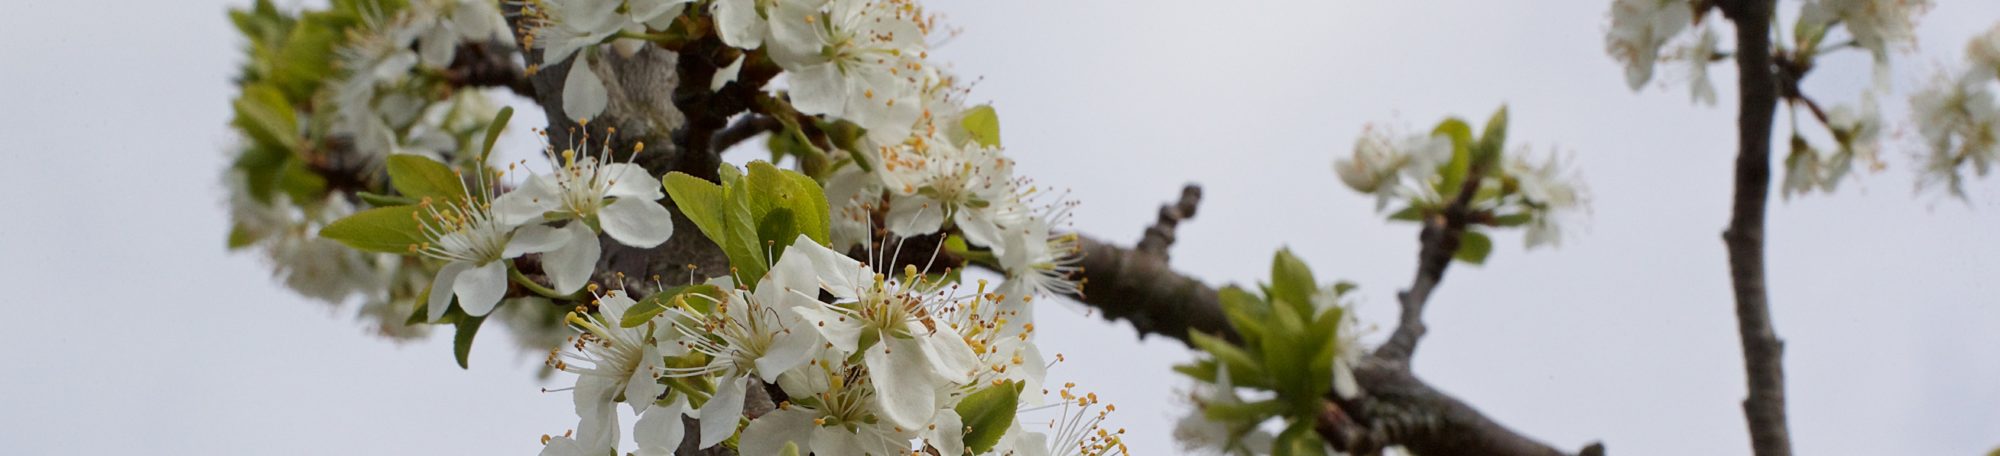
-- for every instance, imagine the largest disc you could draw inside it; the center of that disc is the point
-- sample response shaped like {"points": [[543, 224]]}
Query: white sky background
{"points": [[131, 330]]}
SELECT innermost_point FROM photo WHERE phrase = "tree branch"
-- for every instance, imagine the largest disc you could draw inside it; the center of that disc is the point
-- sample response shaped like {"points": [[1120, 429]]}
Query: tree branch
{"points": [[742, 130], [1396, 408], [1762, 351], [1439, 240]]}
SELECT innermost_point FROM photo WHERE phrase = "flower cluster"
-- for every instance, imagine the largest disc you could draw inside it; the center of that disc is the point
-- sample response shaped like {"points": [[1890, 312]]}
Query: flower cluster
{"points": [[1958, 122], [1426, 173], [871, 363], [379, 99]]}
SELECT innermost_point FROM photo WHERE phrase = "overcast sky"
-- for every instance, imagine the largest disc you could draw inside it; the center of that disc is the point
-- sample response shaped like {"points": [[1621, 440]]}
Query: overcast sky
{"points": [[133, 331]]}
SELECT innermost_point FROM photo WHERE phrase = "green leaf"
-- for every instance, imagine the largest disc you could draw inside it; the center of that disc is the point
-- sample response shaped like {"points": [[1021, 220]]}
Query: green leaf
{"points": [[1246, 312], [983, 125], [1473, 247], [493, 130], [419, 177], [1298, 439], [722, 213], [1455, 171], [299, 182], [263, 114], [988, 413], [1408, 214], [381, 200], [1292, 282], [1513, 220], [461, 341], [786, 204], [1493, 142], [1244, 368], [383, 229], [646, 309], [240, 238]]}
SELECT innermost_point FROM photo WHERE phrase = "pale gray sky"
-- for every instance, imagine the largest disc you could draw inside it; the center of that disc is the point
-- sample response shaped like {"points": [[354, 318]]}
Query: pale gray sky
{"points": [[134, 332]]}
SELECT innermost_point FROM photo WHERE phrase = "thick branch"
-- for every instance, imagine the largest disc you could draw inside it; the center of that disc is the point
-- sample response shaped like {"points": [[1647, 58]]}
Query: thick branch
{"points": [[742, 130], [1397, 408], [1762, 351]]}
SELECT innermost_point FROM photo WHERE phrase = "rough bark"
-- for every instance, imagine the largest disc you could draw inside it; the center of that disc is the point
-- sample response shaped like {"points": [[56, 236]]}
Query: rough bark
{"points": [[1758, 88]]}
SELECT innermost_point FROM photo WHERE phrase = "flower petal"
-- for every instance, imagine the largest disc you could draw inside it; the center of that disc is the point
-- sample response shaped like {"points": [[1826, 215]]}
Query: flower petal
{"points": [[583, 93], [570, 265], [536, 238], [636, 222], [946, 433], [480, 288], [903, 382], [789, 348], [768, 434], [740, 26], [631, 181], [720, 415], [659, 430], [440, 298], [818, 89], [526, 204], [841, 332], [915, 216]]}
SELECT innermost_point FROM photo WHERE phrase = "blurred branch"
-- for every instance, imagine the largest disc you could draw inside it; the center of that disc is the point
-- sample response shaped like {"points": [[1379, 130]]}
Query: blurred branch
{"points": [[743, 129], [488, 64], [1439, 240], [1759, 88]]}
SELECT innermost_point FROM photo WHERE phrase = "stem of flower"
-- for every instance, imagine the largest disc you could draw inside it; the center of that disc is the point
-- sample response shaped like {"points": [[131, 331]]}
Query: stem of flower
{"points": [[546, 292]]}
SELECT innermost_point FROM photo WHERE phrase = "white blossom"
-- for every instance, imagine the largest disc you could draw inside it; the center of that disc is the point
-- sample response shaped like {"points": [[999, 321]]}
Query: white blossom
{"points": [[1875, 25], [1381, 162], [853, 59], [1984, 52], [1959, 124], [1859, 131], [621, 199], [1699, 58], [909, 352], [612, 362], [969, 184], [750, 334], [475, 242], [1551, 192], [1639, 28], [446, 23]]}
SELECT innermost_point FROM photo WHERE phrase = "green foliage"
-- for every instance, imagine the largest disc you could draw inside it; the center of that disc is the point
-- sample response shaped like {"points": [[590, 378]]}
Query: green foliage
{"points": [[1456, 170], [1473, 247], [461, 339], [988, 413], [263, 113], [384, 229], [1291, 334], [983, 125], [419, 177], [493, 130], [754, 217], [645, 309]]}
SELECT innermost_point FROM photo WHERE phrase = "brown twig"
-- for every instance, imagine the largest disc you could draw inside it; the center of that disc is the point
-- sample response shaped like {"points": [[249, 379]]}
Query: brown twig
{"points": [[1759, 89]]}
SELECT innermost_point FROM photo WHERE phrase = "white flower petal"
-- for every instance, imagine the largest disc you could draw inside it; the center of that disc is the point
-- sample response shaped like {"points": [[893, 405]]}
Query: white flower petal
{"points": [[636, 222], [659, 430], [583, 95], [527, 204], [570, 265], [480, 288], [788, 349], [536, 238], [915, 216], [723, 410], [838, 274], [946, 433], [727, 74], [818, 89], [440, 298], [841, 332], [904, 382], [631, 181], [738, 23], [768, 434], [950, 358]]}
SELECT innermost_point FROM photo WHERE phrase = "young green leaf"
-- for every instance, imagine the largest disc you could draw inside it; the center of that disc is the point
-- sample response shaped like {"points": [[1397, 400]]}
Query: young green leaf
{"points": [[419, 177], [461, 340], [383, 230], [1494, 142], [1292, 282], [493, 131], [1473, 247], [786, 204], [987, 414], [983, 124], [1455, 171], [263, 113]]}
